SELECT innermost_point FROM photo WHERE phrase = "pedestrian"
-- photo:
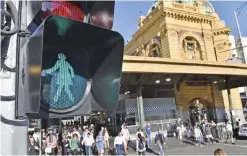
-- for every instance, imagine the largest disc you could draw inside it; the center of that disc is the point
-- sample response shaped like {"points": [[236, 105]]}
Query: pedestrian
{"points": [[76, 132], [160, 141], [219, 152], [139, 131], [43, 144], [208, 134], [198, 135], [179, 128], [88, 142], [226, 118], [148, 133], [125, 133], [118, 144], [229, 132], [106, 139], [100, 143], [36, 136], [51, 142], [140, 145], [65, 145], [81, 133], [75, 144], [238, 125], [33, 146]]}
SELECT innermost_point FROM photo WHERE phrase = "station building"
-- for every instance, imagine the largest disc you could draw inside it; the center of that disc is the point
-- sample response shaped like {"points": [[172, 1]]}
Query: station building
{"points": [[178, 57]]}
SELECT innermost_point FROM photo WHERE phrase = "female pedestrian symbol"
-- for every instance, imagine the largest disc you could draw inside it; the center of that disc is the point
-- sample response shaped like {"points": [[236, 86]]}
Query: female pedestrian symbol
{"points": [[64, 78]]}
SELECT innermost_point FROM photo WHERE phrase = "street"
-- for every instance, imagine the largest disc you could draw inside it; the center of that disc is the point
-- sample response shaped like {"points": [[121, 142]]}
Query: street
{"points": [[175, 147]]}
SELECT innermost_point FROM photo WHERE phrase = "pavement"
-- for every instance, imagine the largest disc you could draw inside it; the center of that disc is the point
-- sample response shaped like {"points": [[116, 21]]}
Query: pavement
{"points": [[187, 147]]}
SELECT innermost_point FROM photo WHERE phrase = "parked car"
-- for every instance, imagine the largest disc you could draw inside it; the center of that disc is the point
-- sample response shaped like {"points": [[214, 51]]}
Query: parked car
{"points": [[243, 131]]}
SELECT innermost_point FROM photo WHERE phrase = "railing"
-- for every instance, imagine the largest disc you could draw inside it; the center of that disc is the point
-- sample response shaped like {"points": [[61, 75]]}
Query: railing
{"points": [[163, 125]]}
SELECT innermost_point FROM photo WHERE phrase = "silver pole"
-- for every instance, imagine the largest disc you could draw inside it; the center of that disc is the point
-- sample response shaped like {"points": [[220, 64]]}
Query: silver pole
{"points": [[240, 35], [241, 41]]}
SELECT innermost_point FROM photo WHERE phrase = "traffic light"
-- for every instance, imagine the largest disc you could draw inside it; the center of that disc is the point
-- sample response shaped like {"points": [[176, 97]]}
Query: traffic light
{"points": [[69, 68], [101, 13]]}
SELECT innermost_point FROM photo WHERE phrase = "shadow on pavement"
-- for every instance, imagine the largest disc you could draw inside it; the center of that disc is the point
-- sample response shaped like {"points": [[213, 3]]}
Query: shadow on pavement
{"points": [[188, 142], [149, 150], [132, 145]]}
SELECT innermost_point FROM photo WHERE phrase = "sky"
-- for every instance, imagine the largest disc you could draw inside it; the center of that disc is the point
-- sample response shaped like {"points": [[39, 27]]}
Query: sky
{"points": [[127, 14]]}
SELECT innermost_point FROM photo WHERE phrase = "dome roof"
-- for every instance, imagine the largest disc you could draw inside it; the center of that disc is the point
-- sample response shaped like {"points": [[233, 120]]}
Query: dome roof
{"points": [[203, 4]]}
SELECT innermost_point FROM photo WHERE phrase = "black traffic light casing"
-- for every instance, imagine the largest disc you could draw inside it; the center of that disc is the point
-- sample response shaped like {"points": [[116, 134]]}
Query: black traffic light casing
{"points": [[69, 68], [101, 13]]}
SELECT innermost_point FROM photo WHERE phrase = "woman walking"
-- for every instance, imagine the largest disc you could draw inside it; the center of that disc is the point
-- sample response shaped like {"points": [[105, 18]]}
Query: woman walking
{"points": [[75, 144], [140, 144], [65, 145], [106, 139], [99, 143], [126, 135]]}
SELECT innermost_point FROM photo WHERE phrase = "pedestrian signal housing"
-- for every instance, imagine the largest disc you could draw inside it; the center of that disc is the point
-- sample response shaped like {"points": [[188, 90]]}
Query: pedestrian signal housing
{"points": [[69, 68]]}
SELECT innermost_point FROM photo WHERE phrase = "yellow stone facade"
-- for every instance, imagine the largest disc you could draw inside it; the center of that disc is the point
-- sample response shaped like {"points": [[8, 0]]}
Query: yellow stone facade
{"points": [[188, 34]]}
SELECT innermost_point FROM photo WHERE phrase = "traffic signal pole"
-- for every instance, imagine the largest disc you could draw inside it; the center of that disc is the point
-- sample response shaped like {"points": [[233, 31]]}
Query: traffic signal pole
{"points": [[13, 131]]}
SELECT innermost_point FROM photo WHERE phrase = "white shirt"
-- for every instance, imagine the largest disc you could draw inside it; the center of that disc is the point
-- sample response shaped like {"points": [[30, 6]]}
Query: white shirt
{"points": [[125, 133], [229, 127], [88, 141], [106, 135], [118, 141], [198, 132], [36, 137], [85, 134]]}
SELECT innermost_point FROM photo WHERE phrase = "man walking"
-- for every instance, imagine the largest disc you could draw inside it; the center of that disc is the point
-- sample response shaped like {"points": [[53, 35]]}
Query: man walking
{"points": [[229, 132], [148, 133], [160, 140]]}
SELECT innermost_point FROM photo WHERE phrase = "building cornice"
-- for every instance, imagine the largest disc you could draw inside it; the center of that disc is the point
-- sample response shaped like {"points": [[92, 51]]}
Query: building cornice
{"points": [[183, 15], [222, 31]]}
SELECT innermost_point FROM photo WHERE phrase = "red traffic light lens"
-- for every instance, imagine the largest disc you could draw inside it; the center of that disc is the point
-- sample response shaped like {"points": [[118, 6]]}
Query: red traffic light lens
{"points": [[71, 9]]}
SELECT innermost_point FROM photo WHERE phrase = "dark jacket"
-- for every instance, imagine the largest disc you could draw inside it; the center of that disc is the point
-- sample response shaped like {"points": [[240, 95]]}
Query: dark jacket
{"points": [[32, 150], [160, 137]]}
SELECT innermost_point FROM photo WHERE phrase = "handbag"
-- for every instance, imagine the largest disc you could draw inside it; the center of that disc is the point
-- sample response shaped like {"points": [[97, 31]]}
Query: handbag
{"points": [[48, 150]]}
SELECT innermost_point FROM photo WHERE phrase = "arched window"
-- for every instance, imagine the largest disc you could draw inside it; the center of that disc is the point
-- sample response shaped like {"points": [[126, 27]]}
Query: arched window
{"points": [[192, 49], [154, 51]]}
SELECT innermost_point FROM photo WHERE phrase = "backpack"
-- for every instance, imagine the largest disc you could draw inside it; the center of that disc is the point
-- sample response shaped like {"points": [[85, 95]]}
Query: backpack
{"points": [[141, 145]]}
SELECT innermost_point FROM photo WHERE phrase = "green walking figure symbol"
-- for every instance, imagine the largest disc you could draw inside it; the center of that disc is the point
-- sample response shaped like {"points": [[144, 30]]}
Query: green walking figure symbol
{"points": [[65, 76]]}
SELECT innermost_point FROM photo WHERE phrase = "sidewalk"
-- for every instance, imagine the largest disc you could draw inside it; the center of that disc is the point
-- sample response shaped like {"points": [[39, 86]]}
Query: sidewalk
{"points": [[172, 143]]}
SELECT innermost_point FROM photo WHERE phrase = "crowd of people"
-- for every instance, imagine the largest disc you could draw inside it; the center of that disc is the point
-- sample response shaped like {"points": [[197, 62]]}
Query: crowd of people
{"points": [[87, 140]]}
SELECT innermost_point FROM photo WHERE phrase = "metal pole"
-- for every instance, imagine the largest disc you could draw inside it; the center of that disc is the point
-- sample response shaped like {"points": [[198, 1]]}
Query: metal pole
{"points": [[241, 41], [229, 98], [240, 36], [140, 103], [14, 132]]}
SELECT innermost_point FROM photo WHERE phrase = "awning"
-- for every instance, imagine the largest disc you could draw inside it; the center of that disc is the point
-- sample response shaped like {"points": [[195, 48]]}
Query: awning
{"points": [[216, 71]]}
